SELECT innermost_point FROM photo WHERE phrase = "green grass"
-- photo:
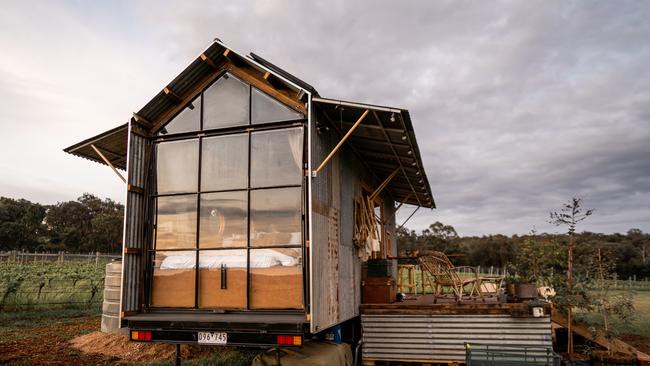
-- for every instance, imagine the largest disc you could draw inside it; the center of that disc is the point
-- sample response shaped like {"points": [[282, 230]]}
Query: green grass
{"points": [[639, 325], [49, 285], [16, 320]]}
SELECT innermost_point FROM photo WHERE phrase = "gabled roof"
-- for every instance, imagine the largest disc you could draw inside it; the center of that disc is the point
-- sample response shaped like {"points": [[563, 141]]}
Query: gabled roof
{"points": [[385, 140]]}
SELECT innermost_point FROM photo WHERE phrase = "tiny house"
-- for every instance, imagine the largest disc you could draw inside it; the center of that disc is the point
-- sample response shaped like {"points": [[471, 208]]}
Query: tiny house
{"points": [[252, 203]]}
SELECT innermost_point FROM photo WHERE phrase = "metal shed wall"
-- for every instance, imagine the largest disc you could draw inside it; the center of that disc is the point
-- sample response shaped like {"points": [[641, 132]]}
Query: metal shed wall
{"points": [[135, 227], [336, 267], [442, 337]]}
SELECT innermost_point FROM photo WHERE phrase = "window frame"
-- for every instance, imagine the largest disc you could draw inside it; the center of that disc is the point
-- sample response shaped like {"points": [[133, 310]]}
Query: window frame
{"points": [[247, 129]]}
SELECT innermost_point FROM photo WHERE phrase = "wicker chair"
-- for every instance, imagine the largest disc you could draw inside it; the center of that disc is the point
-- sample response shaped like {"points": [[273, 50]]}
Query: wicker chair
{"points": [[445, 275]]}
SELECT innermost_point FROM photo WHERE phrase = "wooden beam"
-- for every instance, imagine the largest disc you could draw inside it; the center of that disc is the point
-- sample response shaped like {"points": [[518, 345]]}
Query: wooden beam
{"points": [[128, 250], [108, 162], [209, 61], [199, 86], [398, 160], [338, 146], [408, 218], [171, 93], [384, 184], [390, 218], [134, 189], [363, 161], [375, 127], [233, 57], [143, 121], [256, 81]]}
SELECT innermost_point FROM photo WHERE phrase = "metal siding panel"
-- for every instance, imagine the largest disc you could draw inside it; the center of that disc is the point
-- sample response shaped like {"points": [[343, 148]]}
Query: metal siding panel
{"points": [[335, 298], [134, 226], [442, 337]]}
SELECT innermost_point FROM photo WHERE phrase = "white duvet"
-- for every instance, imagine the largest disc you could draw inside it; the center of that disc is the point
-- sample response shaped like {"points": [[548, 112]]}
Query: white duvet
{"points": [[260, 258]]}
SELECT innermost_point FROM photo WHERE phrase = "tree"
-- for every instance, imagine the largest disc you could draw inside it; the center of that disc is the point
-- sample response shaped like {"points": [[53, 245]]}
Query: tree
{"points": [[641, 242], [442, 231], [88, 224], [570, 215], [21, 224]]}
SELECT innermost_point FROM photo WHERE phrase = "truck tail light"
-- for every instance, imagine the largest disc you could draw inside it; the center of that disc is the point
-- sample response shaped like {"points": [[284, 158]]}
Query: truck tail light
{"points": [[141, 335], [289, 340]]}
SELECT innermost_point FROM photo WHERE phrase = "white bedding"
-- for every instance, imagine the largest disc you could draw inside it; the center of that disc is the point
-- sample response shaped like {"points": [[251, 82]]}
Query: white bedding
{"points": [[260, 258]]}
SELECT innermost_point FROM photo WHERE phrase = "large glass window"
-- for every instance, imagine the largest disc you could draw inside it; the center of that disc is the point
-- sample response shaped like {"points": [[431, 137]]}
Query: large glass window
{"points": [[176, 222], [177, 165], [224, 163], [189, 119], [229, 205], [276, 157], [222, 279], [273, 272], [172, 272], [224, 220], [266, 109], [276, 217], [226, 103]]}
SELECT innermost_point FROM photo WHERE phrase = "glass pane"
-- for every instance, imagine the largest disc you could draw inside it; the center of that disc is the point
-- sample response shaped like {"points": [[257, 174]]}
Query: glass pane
{"points": [[188, 120], [224, 219], [173, 279], [224, 163], [276, 278], [176, 222], [222, 278], [226, 103], [267, 109], [276, 157], [276, 218], [177, 166]]}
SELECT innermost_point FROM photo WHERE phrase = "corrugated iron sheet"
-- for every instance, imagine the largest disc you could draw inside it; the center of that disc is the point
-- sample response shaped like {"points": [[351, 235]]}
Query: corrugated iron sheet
{"points": [[442, 337], [386, 141], [112, 143], [135, 229]]}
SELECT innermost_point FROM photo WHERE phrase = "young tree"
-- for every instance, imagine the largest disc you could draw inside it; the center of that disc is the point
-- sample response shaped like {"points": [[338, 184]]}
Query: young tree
{"points": [[570, 215]]}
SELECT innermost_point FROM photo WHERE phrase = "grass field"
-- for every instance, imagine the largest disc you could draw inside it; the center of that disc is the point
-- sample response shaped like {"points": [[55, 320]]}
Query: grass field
{"points": [[639, 325], [50, 285]]}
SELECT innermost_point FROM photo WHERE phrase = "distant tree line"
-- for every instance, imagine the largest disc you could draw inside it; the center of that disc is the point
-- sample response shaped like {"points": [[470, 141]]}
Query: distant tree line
{"points": [[629, 252], [88, 224]]}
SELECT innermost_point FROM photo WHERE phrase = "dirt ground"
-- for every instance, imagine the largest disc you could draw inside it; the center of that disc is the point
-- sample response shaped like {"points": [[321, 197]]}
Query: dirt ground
{"points": [[49, 345], [77, 341], [641, 343]]}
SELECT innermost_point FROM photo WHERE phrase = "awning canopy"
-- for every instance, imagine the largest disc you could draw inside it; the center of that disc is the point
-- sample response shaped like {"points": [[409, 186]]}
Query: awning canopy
{"points": [[112, 144], [385, 142]]}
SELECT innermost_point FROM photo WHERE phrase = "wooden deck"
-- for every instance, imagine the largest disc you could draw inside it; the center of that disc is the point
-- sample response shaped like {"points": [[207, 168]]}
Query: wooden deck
{"points": [[424, 304]]}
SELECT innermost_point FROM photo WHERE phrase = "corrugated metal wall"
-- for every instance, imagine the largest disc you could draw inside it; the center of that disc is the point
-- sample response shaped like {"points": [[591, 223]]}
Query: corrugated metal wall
{"points": [[442, 337], [336, 267], [134, 238]]}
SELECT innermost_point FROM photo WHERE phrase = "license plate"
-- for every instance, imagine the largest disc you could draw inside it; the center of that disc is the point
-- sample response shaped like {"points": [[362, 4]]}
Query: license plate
{"points": [[213, 338]]}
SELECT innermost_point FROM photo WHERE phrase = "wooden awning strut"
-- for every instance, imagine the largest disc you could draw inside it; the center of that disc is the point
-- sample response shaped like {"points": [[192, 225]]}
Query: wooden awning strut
{"points": [[338, 146], [108, 162]]}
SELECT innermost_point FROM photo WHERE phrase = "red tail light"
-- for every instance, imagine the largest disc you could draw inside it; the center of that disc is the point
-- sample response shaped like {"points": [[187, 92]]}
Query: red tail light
{"points": [[289, 340], [141, 335]]}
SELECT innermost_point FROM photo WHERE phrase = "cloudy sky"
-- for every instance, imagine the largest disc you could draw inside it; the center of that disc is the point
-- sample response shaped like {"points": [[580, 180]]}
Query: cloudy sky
{"points": [[517, 106]]}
